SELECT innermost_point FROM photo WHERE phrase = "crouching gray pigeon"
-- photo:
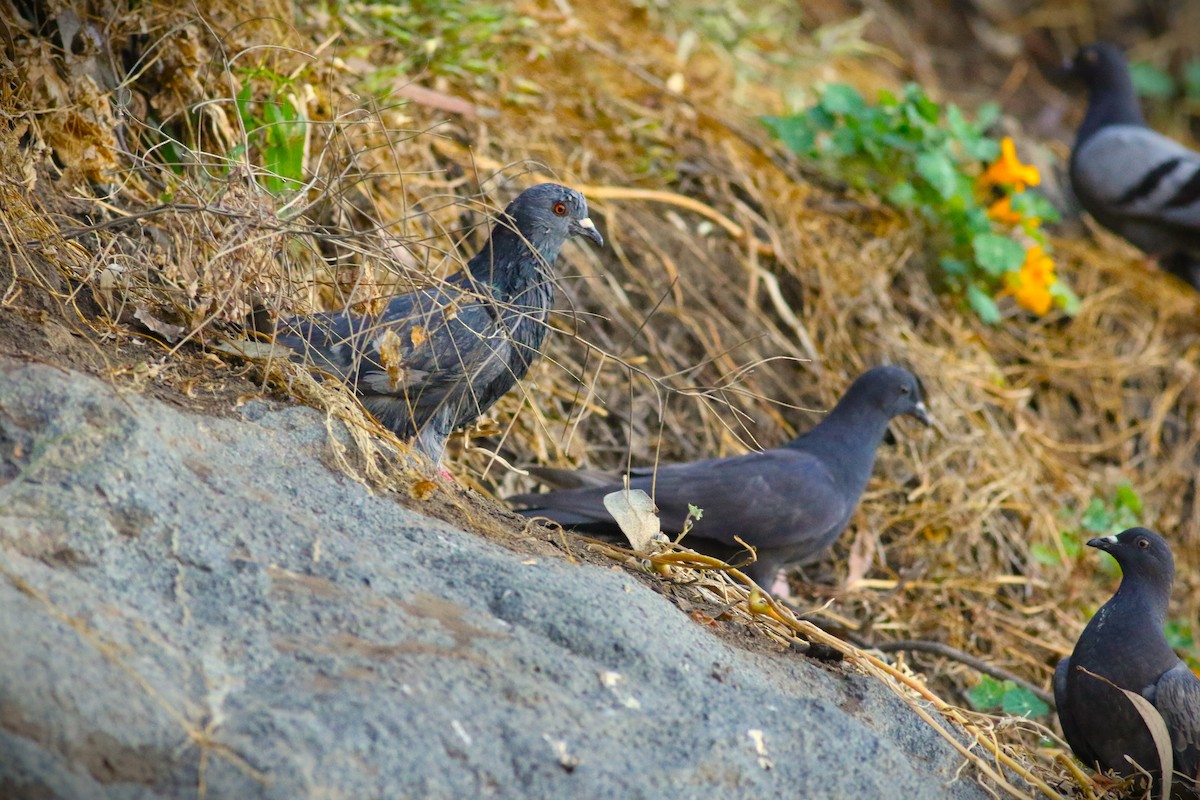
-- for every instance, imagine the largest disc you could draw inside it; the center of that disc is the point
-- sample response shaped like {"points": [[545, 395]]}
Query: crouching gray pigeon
{"points": [[1124, 645], [1136, 182], [436, 359], [790, 503]]}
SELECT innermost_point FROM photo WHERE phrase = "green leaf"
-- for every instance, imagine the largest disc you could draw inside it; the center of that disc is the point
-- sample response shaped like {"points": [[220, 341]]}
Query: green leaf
{"points": [[1066, 299], [1191, 79], [841, 98], [986, 695], [1020, 702], [1071, 544], [1126, 497], [982, 149], [695, 512], [997, 254], [1179, 634], [902, 194], [1096, 517], [986, 116], [1031, 204], [1045, 555], [795, 132], [983, 304], [1151, 82], [1014, 700], [937, 168], [953, 266], [843, 142]]}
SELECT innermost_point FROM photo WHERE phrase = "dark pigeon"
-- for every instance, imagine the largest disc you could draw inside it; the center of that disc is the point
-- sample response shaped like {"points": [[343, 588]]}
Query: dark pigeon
{"points": [[1136, 182], [436, 359], [1124, 643], [790, 503]]}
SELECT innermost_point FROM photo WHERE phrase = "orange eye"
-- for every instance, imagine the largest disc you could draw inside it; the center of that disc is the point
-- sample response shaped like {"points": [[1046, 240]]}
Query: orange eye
{"points": [[560, 209]]}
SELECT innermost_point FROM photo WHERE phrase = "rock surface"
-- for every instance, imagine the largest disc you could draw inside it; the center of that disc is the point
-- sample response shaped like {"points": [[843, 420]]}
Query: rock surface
{"points": [[196, 606]]}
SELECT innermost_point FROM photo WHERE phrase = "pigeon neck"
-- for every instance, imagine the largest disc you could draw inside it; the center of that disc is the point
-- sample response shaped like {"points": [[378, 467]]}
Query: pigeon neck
{"points": [[511, 263], [1110, 102], [1149, 597], [849, 436]]}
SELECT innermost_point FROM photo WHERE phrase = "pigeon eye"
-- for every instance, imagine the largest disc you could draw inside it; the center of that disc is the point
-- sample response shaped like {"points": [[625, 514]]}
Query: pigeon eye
{"points": [[1143, 543], [905, 390], [560, 209]]}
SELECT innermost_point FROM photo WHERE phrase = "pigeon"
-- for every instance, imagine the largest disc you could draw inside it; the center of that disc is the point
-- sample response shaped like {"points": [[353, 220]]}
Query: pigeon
{"points": [[790, 503], [1136, 182], [436, 359], [1124, 645]]}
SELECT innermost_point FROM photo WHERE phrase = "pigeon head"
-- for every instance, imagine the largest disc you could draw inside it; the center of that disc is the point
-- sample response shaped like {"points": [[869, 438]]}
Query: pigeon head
{"points": [[1142, 554], [1099, 64], [1111, 98], [893, 390], [527, 238], [547, 214]]}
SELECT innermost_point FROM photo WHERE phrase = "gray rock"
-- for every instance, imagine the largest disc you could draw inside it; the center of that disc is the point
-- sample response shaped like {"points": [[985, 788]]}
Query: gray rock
{"points": [[196, 606]]}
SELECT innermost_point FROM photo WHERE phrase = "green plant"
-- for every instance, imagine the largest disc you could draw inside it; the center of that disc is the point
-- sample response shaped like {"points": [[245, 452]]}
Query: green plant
{"points": [[1158, 85], [992, 695], [926, 159], [1100, 518], [276, 132], [1151, 82], [450, 37]]}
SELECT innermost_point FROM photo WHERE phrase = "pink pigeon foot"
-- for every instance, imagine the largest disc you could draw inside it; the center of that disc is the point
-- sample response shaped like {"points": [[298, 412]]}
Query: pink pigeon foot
{"points": [[780, 589]]}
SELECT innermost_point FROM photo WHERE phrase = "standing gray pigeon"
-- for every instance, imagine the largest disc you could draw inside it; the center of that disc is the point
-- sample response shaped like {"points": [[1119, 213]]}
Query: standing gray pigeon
{"points": [[436, 359], [790, 503], [1136, 182], [1124, 643]]}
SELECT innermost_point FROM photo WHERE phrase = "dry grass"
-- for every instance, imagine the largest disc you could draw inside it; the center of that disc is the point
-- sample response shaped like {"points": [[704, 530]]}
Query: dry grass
{"points": [[736, 290]]}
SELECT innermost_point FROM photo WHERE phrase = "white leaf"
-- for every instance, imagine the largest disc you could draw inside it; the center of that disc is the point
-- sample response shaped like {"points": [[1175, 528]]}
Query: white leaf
{"points": [[1162, 737], [636, 515], [172, 333]]}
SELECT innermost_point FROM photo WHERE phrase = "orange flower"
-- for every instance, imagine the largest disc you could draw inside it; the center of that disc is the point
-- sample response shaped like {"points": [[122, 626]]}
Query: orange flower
{"points": [[1009, 171], [1030, 285], [1002, 211], [1033, 297], [1038, 266]]}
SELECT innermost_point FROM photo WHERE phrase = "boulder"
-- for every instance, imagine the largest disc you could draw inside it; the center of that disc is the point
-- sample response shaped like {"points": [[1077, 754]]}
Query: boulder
{"points": [[197, 606]]}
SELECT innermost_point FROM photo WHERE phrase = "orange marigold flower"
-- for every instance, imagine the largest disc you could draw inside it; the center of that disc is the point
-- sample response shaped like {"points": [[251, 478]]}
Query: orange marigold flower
{"points": [[1038, 267], [1034, 297], [1009, 171], [1002, 211], [1030, 285]]}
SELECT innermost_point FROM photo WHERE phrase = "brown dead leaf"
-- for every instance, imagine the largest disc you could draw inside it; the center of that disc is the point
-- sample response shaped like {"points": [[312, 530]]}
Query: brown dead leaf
{"points": [[862, 552], [418, 336], [391, 357], [422, 490], [169, 332]]}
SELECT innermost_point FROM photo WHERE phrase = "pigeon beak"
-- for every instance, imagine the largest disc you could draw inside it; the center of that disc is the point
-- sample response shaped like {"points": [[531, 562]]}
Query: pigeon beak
{"points": [[921, 412], [1105, 543], [585, 227]]}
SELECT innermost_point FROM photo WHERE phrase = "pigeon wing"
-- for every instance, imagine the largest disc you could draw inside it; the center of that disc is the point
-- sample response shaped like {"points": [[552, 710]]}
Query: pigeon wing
{"points": [[1177, 698], [777, 498], [770, 499], [1072, 729], [1136, 173], [426, 350]]}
